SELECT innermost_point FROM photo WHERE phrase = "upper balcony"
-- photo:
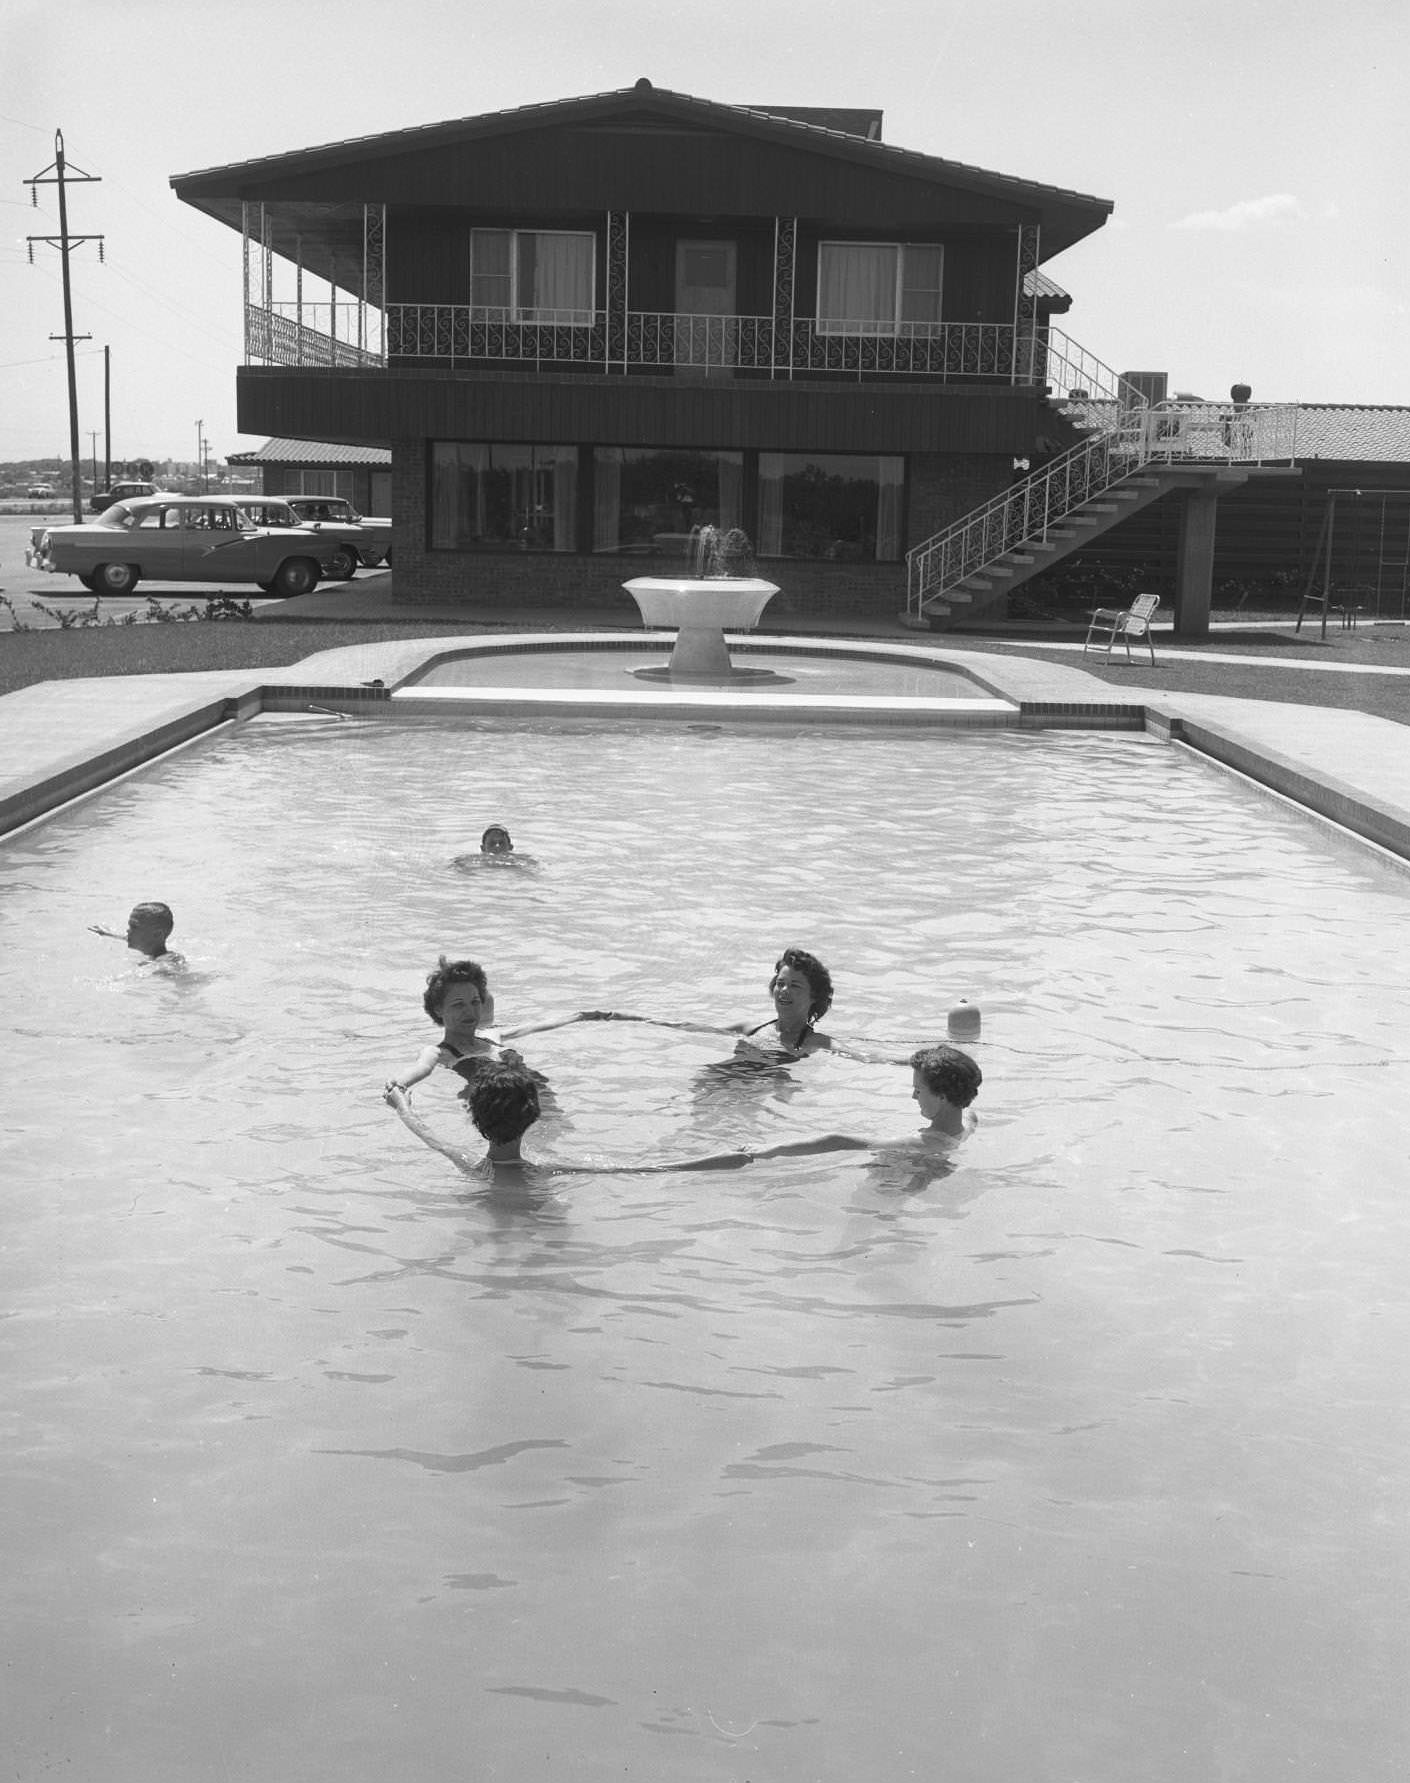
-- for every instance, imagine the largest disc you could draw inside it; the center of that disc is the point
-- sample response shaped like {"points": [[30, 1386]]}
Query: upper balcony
{"points": [[465, 337]]}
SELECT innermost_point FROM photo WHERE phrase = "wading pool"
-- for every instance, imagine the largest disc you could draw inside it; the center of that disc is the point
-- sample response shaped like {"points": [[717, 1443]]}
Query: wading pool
{"points": [[1083, 1461]]}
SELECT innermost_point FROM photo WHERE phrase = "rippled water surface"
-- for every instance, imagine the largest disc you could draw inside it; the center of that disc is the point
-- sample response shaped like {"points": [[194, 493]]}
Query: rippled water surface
{"points": [[1082, 1462]]}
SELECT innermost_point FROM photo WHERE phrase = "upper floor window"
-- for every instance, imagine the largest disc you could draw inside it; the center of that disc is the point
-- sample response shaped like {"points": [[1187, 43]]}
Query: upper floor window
{"points": [[879, 287], [534, 275]]}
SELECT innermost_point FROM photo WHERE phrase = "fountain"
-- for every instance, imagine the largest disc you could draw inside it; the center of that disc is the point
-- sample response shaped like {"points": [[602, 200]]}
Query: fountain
{"points": [[718, 592]]}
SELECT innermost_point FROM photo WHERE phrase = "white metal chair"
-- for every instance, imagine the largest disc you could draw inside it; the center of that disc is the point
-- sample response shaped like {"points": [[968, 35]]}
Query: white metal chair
{"points": [[1124, 623]]}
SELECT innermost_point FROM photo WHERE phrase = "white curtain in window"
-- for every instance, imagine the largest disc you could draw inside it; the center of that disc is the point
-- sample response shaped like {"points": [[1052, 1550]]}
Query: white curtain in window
{"points": [[562, 277], [771, 469], [891, 478], [731, 468], [565, 494], [856, 285], [607, 498], [457, 493]]}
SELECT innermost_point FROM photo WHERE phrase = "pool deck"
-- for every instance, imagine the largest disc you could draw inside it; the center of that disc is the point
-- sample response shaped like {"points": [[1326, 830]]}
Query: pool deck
{"points": [[60, 739]]}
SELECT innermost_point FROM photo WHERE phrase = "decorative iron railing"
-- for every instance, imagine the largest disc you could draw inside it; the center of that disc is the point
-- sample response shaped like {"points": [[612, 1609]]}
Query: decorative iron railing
{"points": [[1133, 435], [357, 333], [282, 336], [670, 341]]}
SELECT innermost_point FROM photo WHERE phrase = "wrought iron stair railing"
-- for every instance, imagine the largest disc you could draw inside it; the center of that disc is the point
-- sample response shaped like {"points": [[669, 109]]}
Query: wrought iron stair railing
{"points": [[1128, 435]]}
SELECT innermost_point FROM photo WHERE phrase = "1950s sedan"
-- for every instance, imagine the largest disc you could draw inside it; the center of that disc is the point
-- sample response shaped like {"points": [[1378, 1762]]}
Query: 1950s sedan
{"points": [[368, 539], [182, 538]]}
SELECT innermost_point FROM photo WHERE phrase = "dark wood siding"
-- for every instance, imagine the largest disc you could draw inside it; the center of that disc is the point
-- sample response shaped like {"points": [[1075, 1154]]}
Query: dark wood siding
{"points": [[369, 407], [428, 260]]}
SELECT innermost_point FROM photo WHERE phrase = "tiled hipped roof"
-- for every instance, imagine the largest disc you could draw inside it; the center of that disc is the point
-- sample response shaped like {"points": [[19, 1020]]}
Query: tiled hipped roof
{"points": [[310, 452], [1346, 431]]}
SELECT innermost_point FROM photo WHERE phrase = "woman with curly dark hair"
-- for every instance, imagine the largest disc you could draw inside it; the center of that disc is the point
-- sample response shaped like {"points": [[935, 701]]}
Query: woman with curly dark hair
{"points": [[801, 988]]}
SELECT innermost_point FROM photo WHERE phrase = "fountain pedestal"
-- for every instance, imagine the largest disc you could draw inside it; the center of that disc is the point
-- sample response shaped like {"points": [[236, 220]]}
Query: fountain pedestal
{"points": [[700, 608]]}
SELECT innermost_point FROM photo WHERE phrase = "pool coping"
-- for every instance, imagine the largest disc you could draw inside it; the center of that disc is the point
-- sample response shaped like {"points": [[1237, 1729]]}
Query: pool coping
{"points": [[60, 740]]}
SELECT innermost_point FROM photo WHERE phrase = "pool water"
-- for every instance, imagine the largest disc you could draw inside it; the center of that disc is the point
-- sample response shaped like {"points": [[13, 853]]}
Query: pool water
{"points": [[1084, 1460], [791, 672]]}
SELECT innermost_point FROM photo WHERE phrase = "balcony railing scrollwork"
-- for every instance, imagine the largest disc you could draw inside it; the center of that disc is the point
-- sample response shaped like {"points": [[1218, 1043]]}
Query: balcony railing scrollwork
{"points": [[653, 340]]}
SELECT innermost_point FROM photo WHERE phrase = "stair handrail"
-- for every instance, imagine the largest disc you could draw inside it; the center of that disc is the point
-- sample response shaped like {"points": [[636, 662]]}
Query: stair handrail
{"points": [[1027, 510], [1127, 433]]}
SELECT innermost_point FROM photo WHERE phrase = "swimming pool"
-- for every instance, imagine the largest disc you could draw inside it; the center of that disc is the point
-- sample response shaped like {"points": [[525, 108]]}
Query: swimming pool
{"points": [[1083, 1461]]}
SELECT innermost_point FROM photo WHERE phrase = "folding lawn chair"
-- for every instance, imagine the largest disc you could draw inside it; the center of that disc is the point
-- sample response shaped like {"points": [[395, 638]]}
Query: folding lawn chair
{"points": [[1124, 623]]}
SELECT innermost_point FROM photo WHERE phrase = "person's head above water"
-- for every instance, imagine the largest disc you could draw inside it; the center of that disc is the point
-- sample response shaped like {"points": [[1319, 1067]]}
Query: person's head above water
{"points": [[944, 1074], [504, 1103], [447, 975], [148, 926], [798, 972], [496, 840]]}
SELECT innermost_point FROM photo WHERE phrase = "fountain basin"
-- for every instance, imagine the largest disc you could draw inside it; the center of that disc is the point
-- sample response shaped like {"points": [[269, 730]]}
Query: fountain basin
{"points": [[687, 601]]}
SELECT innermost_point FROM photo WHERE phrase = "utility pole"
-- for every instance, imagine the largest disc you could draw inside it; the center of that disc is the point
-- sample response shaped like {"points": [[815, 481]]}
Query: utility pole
{"points": [[107, 420], [201, 453], [59, 174]]}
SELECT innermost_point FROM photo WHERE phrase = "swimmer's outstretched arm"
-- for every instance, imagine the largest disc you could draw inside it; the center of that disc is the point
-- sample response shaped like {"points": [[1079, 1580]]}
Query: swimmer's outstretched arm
{"points": [[424, 1066], [826, 1142], [112, 934], [615, 1015], [395, 1097]]}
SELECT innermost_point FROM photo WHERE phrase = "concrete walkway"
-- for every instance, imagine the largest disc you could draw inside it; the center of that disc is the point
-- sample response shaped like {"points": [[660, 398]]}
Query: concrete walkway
{"points": [[61, 738]]}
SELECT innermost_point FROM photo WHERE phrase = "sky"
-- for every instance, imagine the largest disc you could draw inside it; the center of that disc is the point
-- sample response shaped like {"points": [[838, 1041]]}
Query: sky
{"points": [[1255, 151]]}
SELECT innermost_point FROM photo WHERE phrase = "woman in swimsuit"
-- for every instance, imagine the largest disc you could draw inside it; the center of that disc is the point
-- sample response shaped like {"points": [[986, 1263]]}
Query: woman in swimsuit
{"points": [[458, 996], [802, 992]]}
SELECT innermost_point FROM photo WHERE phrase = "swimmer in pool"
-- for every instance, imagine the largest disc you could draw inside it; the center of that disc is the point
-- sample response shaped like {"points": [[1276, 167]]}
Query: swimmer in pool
{"points": [[148, 927], [458, 996], [944, 1082], [504, 1104], [496, 850], [801, 987]]}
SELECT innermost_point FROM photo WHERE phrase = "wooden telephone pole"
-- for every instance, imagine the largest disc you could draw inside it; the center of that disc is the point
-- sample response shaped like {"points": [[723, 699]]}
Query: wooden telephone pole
{"points": [[59, 174]]}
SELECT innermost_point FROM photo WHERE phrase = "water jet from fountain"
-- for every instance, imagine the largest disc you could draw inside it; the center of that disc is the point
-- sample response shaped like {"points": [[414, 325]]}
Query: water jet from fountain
{"points": [[701, 605]]}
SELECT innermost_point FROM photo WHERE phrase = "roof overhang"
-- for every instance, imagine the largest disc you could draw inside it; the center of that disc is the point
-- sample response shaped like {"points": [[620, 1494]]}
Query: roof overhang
{"points": [[339, 172]]}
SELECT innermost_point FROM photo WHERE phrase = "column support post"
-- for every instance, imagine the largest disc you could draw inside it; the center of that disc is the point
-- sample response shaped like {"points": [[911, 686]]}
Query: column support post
{"points": [[1194, 562]]}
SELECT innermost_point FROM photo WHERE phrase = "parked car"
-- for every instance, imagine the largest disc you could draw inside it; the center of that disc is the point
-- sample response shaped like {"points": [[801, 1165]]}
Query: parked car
{"points": [[41, 491], [182, 538], [370, 539], [104, 498]]}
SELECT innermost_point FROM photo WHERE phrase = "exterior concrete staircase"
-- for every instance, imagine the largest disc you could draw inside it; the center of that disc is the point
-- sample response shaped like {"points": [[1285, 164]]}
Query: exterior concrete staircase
{"points": [[984, 591], [1128, 455]]}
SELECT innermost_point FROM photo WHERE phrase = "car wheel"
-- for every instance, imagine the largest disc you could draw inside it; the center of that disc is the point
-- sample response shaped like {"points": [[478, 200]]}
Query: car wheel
{"points": [[114, 578], [296, 575], [342, 565]]}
